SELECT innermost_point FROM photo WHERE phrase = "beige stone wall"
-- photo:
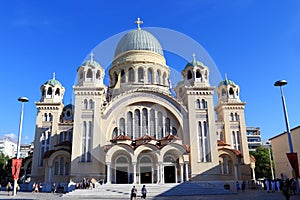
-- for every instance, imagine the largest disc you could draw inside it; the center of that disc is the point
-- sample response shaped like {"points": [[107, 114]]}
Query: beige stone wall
{"points": [[280, 147]]}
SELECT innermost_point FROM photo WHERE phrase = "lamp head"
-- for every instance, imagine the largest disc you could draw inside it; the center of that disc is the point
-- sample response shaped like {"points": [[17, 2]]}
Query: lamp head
{"points": [[23, 99], [280, 83]]}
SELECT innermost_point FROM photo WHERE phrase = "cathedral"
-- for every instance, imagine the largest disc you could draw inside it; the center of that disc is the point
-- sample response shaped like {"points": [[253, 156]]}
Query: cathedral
{"points": [[135, 130]]}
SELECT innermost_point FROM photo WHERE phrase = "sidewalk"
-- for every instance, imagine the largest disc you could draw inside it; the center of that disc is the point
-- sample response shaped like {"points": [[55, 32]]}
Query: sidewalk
{"points": [[247, 195]]}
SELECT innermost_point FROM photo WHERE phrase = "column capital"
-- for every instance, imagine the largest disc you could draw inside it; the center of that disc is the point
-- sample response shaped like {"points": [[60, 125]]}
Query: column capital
{"points": [[107, 163]]}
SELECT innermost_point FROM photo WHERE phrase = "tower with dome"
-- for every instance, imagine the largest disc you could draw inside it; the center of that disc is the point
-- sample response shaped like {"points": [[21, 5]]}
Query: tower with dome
{"points": [[134, 130]]}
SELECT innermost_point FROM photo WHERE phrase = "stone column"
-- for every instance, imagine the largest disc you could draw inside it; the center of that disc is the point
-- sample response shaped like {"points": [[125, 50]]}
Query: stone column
{"points": [[108, 173], [162, 173], [181, 172], [186, 171], [134, 172], [50, 175], [158, 173]]}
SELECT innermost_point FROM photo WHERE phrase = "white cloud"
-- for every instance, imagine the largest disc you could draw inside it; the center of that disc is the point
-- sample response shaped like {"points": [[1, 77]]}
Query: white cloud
{"points": [[10, 135]]}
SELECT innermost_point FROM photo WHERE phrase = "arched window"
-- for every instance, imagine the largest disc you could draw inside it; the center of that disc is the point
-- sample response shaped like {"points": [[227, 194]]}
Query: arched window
{"points": [[67, 168], [231, 117], [89, 74], [236, 116], [198, 104], [158, 77], [115, 132], [150, 75], [49, 92], [164, 79], [203, 104], [84, 146], [123, 78], [85, 104], [189, 75], [198, 75], [81, 74], [221, 136], [231, 92], [98, 74], [130, 124], [141, 75], [50, 117], [169, 159], [159, 125], [45, 117], [115, 77], [91, 104], [145, 159], [43, 91], [122, 126], [167, 125], [56, 168], [145, 121], [130, 75], [57, 92], [137, 122], [152, 123], [122, 160], [237, 92], [174, 131], [223, 92], [61, 166]]}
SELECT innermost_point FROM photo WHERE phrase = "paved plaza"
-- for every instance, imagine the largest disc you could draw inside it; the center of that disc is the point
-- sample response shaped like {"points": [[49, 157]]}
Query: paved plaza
{"points": [[248, 194]]}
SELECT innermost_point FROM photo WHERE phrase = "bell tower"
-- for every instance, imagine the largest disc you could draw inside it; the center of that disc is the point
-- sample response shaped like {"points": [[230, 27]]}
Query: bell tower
{"points": [[197, 95], [230, 111]]}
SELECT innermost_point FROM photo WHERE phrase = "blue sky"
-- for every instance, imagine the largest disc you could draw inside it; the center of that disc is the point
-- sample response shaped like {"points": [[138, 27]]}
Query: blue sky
{"points": [[254, 42]]}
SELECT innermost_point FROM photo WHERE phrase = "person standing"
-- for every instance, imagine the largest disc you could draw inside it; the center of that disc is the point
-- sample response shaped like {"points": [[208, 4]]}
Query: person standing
{"points": [[144, 192], [278, 185], [8, 188], [133, 193], [267, 185]]}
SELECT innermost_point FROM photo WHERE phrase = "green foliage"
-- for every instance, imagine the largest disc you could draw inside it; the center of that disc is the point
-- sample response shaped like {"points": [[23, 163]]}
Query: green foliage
{"points": [[262, 164], [4, 168]]}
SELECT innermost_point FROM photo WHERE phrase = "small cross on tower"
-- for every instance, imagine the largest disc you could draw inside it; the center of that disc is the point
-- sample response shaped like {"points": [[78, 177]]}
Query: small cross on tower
{"points": [[194, 56], [138, 22], [53, 76], [92, 56]]}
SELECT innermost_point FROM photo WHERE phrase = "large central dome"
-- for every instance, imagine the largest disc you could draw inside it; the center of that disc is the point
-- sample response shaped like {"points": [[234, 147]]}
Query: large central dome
{"points": [[138, 40]]}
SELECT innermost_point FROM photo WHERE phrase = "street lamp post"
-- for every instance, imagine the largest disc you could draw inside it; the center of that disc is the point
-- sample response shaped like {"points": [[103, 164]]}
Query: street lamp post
{"points": [[270, 157], [281, 83], [22, 100]]}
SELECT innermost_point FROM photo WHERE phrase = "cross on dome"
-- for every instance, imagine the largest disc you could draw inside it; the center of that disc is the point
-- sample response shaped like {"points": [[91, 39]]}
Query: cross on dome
{"points": [[194, 56], [53, 77], [92, 56], [138, 22]]}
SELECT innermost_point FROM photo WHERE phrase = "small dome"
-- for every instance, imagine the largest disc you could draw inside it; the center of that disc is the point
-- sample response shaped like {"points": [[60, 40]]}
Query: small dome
{"points": [[226, 82], [194, 63], [53, 82], [91, 62], [138, 40]]}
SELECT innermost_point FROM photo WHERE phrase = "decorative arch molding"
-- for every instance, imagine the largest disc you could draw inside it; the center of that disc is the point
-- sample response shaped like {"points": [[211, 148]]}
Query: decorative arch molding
{"points": [[117, 148], [228, 152], [150, 147], [61, 152]]}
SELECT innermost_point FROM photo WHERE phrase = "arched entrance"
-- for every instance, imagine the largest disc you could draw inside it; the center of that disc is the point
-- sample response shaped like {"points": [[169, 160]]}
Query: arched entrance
{"points": [[170, 169], [122, 170], [146, 171]]}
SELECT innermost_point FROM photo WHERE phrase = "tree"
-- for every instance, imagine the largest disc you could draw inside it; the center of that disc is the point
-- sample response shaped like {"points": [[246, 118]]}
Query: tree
{"points": [[4, 169], [262, 164]]}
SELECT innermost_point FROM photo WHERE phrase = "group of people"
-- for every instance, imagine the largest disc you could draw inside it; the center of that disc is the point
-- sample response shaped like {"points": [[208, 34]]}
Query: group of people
{"points": [[85, 183], [10, 186], [37, 187], [134, 193]]}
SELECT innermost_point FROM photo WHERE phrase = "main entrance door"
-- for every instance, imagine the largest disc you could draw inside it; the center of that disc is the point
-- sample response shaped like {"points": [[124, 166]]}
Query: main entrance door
{"points": [[121, 175], [169, 172], [146, 174]]}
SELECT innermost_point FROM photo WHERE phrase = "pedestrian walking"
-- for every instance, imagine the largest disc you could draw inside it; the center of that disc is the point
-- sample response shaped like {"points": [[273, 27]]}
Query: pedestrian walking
{"points": [[144, 192], [286, 189], [133, 193]]}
